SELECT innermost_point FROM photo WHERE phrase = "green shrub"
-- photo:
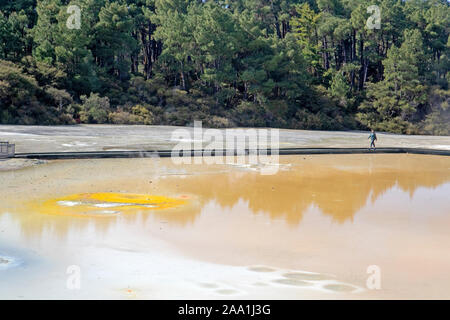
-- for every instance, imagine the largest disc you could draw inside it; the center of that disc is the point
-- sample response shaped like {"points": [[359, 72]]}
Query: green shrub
{"points": [[94, 109], [437, 122], [138, 115], [218, 122], [251, 114]]}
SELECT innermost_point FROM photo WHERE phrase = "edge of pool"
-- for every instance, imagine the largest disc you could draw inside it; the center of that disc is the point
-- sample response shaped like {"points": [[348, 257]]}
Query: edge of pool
{"points": [[194, 153]]}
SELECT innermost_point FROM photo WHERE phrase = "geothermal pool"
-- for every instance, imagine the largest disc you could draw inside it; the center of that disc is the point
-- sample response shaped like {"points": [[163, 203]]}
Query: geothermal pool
{"points": [[150, 229]]}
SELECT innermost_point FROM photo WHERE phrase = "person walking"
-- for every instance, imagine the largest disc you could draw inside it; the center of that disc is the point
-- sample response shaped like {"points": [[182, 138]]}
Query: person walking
{"points": [[372, 138]]}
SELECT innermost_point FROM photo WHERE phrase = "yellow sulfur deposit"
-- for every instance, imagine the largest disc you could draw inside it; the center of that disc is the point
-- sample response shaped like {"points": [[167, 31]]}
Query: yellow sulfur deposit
{"points": [[106, 204]]}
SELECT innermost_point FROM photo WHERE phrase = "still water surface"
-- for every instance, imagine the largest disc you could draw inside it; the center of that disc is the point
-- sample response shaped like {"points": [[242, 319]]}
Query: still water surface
{"points": [[146, 228]]}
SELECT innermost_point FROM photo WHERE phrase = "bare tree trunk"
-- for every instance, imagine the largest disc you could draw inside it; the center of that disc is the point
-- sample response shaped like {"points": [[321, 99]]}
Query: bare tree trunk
{"points": [[151, 49], [183, 79], [362, 61], [325, 55]]}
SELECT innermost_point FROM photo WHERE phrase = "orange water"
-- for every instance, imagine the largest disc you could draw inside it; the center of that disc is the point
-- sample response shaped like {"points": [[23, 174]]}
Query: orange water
{"points": [[219, 231]]}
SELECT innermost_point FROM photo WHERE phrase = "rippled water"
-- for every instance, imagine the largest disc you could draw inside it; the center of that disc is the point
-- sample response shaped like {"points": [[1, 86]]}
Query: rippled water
{"points": [[146, 228]]}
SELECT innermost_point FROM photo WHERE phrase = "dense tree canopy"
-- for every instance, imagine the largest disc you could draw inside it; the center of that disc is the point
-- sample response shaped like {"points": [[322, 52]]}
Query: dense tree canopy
{"points": [[306, 64]]}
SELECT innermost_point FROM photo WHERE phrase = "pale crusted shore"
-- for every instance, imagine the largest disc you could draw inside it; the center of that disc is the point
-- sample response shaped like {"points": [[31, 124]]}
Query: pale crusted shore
{"points": [[17, 164], [80, 138]]}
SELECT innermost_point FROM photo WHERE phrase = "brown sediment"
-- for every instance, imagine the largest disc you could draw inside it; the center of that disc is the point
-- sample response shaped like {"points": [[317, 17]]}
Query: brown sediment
{"points": [[305, 276], [339, 287]]}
